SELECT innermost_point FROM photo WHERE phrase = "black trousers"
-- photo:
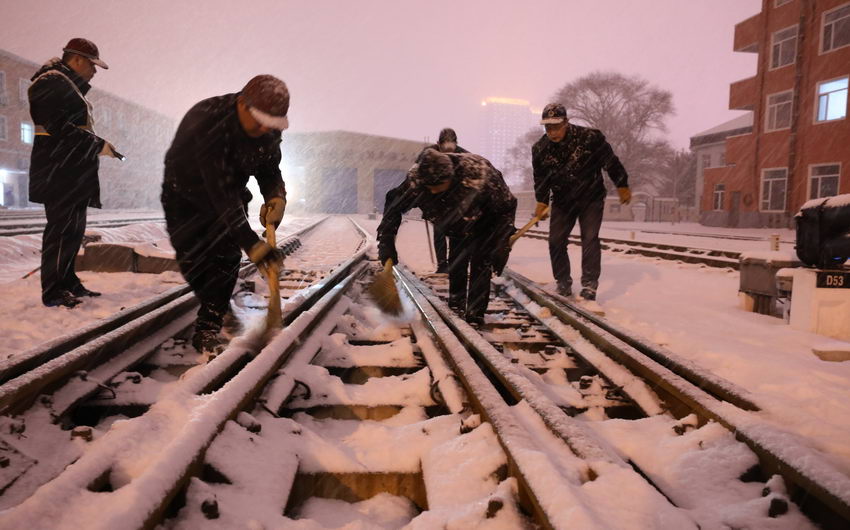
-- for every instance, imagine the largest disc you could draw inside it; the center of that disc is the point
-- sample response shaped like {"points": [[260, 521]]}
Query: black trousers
{"points": [[62, 238], [208, 257], [441, 247], [470, 268], [563, 219]]}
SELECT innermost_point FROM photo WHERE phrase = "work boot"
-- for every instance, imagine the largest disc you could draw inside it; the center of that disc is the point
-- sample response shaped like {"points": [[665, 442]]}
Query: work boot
{"points": [[207, 341], [64, 298], [79, 290], [588, 293], [564, 290], [475, 321]]}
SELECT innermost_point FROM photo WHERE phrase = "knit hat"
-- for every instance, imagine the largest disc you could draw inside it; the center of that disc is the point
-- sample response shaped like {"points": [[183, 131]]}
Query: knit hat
{"points": [[434, 167]]}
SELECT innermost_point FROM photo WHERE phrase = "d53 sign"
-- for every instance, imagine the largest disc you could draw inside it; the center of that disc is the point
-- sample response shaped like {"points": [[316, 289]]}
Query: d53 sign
{"points": [[833, 280]]}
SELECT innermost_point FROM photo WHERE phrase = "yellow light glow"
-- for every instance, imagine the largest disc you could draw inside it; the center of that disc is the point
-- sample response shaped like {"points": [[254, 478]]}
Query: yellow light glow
{"points": [[507, 101]]}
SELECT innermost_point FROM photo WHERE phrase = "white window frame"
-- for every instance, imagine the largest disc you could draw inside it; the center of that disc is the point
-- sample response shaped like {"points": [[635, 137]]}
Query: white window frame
{"points": [[823, 29], [718, 197], [762, 183], [778, 3], [773, 45], [818, 95], [769, 112], [4, 135], [3, 98], [23, 89], [30, 133], [812, 177]]}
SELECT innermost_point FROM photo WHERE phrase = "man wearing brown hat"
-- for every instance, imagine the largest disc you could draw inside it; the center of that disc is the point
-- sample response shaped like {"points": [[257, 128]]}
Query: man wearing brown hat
{"points": [[568, 161], [467, 199], [220, 143], [64, 165]]}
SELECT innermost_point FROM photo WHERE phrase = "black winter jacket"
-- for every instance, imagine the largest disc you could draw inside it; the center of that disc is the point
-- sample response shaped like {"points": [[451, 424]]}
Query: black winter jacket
{"points": [[478, 203], [64, 164], [209, 163], [571, 170]]}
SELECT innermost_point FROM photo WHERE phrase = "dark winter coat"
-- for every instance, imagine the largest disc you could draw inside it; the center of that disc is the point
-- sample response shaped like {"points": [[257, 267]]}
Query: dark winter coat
{"points": [[209, 162], [571, 170], [478, 203], [64, 164]]}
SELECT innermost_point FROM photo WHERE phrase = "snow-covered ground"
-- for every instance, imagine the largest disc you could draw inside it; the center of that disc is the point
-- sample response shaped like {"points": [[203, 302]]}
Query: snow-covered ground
{"points": [[694, 311], [690, 309]]}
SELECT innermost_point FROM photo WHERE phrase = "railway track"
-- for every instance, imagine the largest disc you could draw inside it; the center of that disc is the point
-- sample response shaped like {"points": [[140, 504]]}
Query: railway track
{"points": [[37, 227], [709, 257], [346, 417]]}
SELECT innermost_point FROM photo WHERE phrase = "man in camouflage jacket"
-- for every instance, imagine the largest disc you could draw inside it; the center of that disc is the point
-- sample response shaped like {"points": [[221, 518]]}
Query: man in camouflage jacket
{"points": [[568, 162], [467, 199]]}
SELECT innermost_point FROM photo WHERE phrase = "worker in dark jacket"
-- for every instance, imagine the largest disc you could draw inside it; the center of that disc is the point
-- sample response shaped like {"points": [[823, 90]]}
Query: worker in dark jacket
{"points": [[220, 143], [446, 143], [568, 162], [467, 198], [64, 165]]}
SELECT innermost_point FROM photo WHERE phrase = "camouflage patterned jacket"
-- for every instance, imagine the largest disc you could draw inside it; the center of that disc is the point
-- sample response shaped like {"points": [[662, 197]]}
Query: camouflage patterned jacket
{"points": [[571, 170], [477, 203]]}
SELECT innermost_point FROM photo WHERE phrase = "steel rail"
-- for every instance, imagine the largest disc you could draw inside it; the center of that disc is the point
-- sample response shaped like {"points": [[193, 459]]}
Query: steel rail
{"points": [[779, 452], [488, 378], [31, 359], [181, 455]]}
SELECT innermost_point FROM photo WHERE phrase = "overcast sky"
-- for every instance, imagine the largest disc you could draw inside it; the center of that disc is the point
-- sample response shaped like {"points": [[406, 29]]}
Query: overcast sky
{"points": [[395, 67]]}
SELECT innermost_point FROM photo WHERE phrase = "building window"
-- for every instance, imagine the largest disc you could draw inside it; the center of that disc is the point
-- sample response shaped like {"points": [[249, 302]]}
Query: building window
{"points": [[824, 180], [719, 192], [3, 88], [784, 49], [23, 89], [832, 99], [774, 183], [836, 29], [778, 113], [26, 132], [706, 160], [722, 161], [778, 3], [3, 128]]}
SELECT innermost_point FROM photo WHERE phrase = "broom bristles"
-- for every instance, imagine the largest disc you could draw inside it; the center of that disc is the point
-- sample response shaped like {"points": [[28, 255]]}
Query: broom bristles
{"points": [[384, 291]]}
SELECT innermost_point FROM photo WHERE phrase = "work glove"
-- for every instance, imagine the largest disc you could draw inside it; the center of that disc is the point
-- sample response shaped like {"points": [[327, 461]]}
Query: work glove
{"points": [[387, 251], [272, 211], [625, 195], [262, 255], [540, 209]]}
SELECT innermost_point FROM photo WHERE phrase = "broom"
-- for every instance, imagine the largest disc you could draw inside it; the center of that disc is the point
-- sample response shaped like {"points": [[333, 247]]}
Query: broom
{"points": [[534, 220], [384, 291], [274, 320]]}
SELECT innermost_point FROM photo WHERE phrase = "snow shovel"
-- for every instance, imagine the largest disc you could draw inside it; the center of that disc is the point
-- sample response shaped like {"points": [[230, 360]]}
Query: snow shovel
{"points": [[273, 318], [534, 220], [384, 291]]}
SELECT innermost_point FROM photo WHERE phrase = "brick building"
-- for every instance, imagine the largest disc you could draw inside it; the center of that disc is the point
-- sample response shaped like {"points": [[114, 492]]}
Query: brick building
{"points": [[141, 134], [799, 147]]}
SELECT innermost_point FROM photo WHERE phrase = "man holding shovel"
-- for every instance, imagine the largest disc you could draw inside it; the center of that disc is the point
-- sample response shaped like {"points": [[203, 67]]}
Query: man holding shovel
{"points": [[466, 198], [220, 143]]}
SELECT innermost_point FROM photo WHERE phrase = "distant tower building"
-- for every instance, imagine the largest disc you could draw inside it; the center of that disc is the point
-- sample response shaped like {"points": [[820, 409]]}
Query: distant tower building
{"points": [[505, 121]]}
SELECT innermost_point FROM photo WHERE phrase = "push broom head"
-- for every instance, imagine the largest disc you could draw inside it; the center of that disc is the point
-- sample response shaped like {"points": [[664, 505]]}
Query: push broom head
{"points": [[384, 291]]}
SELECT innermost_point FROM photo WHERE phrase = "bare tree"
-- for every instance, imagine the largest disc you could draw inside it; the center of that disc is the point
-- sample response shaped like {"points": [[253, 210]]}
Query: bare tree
{"points": [[679, 174], [628, 110]]}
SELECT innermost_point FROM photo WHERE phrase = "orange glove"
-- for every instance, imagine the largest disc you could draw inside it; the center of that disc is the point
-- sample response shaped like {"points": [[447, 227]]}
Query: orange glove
{"points": [[625, 195]]}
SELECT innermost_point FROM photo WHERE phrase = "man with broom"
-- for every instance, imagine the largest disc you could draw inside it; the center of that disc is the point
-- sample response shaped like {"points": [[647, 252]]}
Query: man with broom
{"points": [[220, 143], [467, 199]]}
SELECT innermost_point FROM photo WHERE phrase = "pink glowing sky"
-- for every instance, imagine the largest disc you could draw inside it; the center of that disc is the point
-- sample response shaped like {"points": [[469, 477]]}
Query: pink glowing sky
{"points": [[393, 67]]}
